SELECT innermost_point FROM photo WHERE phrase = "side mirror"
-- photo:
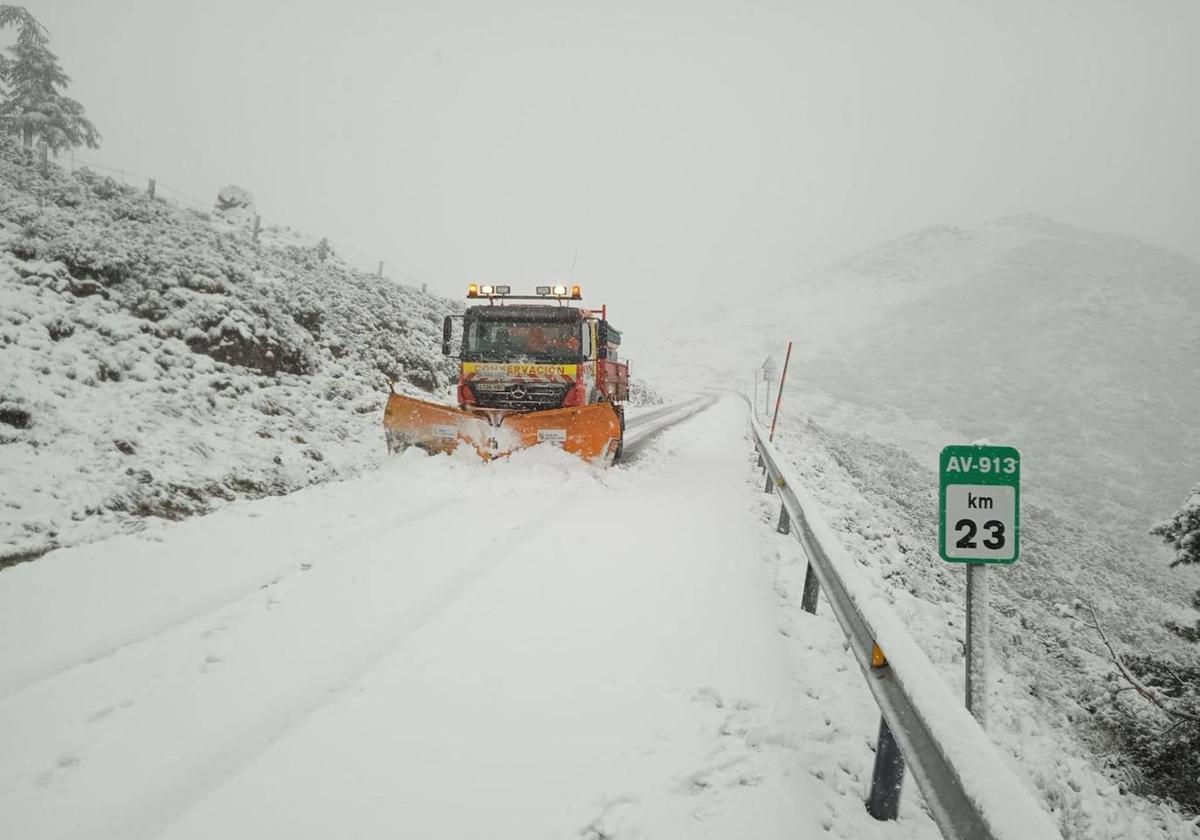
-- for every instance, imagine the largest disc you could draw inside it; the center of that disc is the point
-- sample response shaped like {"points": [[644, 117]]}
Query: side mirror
{"points": [[602, 340], [447, 328]]}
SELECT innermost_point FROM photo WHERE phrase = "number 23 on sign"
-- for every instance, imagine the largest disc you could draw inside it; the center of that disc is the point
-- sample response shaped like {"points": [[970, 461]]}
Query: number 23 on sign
{"points": [[978, 502]]}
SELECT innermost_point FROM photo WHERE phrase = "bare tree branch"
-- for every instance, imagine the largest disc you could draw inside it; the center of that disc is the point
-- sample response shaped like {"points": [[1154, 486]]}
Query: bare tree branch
{"points": [[1150, 694], [1169, 670]]}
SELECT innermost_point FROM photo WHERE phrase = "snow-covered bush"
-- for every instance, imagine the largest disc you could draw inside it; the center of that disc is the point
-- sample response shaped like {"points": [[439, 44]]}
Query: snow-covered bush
{"points": [[1158, 751], [154, 360], [643, 393], [1182, 531]]}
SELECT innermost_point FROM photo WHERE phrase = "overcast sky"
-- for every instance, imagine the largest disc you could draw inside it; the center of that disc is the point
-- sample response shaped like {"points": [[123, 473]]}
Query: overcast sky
{"points": [[669, 144]]}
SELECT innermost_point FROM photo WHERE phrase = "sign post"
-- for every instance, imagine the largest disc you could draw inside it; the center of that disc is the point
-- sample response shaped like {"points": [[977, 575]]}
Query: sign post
{"points": [[769, 369], [979, 524]]}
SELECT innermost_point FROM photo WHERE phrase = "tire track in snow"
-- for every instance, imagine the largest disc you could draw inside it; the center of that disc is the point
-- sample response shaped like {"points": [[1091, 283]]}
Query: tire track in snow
{"points": [[673, 416], [13, 687], [157, 810], [207, 759], [650, 416], [218, 602]]}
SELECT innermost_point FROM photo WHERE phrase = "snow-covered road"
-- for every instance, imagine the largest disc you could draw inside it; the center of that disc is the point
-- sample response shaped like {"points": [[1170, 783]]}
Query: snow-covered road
{"points": [[439, 648]]}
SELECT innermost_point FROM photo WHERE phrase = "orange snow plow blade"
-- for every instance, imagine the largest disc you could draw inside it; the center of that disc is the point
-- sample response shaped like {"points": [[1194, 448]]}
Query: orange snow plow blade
{"points": [[592, 432], [430, 426]]}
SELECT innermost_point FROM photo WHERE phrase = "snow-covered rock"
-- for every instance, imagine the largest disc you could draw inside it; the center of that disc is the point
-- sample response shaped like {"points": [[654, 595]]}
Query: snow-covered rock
{"points": [[231, 197]]}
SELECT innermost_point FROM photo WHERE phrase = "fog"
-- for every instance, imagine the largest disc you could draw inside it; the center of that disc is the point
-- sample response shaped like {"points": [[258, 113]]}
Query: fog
{"points": [[664, 149]]}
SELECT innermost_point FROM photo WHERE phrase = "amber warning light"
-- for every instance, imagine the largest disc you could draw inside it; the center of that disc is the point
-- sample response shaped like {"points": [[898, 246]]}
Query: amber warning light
{"points": [[573, 293], [475, 290]]}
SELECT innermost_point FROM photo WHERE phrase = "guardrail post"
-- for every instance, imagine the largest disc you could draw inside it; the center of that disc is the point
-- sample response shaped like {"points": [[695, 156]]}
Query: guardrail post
{"points": [[769, 487], [883, 803], [785, 521], [812, 588]]}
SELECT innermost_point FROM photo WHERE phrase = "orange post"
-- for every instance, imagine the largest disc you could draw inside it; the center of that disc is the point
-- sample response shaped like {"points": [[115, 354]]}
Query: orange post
{"points": [[779, 396]]}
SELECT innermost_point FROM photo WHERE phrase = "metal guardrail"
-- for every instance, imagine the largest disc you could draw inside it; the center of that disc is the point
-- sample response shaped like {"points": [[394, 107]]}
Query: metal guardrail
{"points": [[970, 789]]}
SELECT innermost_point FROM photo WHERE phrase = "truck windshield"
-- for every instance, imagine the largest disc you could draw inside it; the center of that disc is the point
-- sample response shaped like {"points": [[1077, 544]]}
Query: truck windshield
{"points": [[503, 341]]}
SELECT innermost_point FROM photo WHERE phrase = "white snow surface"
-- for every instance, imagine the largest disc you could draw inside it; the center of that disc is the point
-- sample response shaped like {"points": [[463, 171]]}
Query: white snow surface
{"points": [[155, 361], [439, 647]]}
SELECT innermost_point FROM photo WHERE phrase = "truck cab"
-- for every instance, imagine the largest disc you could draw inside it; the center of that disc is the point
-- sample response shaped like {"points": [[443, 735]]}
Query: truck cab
{"points": [[538, 356]]}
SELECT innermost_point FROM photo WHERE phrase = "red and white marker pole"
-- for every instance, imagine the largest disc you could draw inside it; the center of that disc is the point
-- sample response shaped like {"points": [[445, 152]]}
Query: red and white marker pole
{"points": [[779, 396]]}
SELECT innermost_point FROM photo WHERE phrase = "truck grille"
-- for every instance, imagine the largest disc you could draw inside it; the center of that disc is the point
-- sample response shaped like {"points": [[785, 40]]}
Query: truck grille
{"points": [[523, 396]]}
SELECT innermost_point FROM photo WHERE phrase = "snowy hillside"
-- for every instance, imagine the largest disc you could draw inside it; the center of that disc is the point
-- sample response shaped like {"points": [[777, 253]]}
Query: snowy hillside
{"points": [[154, 359], [1080, 349]]}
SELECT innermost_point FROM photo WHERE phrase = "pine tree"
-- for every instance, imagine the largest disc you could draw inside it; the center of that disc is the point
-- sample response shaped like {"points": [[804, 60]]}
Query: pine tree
{"points": [[1182, 531], [32, 105]]}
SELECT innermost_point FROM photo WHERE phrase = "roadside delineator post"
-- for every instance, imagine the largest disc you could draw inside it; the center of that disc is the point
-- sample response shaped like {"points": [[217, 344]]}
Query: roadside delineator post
{"points": [[779, 395]]}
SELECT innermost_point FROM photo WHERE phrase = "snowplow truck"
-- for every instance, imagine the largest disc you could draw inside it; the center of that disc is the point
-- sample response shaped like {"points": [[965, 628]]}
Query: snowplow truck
{"points": [[532, 369]]}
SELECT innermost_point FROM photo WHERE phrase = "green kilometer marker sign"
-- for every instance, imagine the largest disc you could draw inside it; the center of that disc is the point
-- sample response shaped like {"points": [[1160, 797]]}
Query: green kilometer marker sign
{"points": [[979, 502]]}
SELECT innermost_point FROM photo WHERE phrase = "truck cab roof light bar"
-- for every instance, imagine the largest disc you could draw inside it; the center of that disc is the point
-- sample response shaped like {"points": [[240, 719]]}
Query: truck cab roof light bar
{"points": [[559, 293]]}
